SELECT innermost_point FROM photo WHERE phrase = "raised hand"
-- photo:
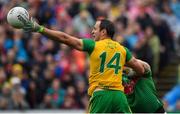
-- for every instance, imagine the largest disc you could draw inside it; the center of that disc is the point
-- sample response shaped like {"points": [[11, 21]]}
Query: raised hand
{"points": [[32, 26]]}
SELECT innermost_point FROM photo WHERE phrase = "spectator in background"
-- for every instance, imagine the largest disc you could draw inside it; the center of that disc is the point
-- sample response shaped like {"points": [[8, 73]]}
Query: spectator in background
{"points": [[144, 20], [62, 18], [73, 6], [18, 102], [173, 22], [81, 93], [47, 102], [17, 71], [47, 12], [121, 28], [4, 104], [9, 62], [33, 95], [177, 108], [99, 8], [5, 97], [68, 80], [171, 99], [117, 9], [130, 38], [78, 61], [16, 85], [21, 54], [69, 100], [154, 43], [82, 23], [164, 33], [3, 77], [57, 93], [2, 48], [170, 18], [140, 43], [63, 59], [175, 7], [25, 80]]}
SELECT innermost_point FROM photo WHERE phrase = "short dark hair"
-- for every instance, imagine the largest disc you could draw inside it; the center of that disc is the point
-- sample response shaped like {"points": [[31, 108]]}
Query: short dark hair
{"points": [[108, 26]]}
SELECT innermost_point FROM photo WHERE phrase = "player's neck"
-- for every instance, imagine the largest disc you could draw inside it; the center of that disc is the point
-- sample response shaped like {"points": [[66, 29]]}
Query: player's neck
{"points": [[104, 37]]}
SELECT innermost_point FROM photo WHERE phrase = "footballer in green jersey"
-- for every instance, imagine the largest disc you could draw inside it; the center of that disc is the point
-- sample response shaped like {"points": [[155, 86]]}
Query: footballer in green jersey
{"points": [[141, 92]]}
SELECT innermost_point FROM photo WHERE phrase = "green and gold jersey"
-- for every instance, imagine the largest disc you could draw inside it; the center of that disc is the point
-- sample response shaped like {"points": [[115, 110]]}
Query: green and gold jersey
{"points": [[107, 58], [141, 94]]}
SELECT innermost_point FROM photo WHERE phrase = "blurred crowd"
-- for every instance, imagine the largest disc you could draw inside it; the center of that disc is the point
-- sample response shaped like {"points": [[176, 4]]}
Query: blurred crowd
{"points": [[38, 73]]}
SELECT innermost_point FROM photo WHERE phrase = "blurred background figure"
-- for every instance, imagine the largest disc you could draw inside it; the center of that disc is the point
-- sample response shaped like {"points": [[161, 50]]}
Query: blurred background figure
{"points": [[171, 99], [57, 93], [5, 97], [18, 102], [47, 104], [37, 73]]}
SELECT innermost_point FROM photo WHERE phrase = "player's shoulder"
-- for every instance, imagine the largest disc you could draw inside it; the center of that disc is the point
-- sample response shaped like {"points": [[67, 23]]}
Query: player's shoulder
{"points": [[118, 44]]}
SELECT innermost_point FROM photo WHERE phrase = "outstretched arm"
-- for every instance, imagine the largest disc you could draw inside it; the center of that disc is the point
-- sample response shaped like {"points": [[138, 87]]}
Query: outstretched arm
{"points": [[63, 38], [33, 26]]}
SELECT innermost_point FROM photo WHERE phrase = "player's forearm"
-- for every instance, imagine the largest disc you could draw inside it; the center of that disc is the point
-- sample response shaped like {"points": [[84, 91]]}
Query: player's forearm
{"points": [[63, 38], [136, 66], [139, 69], [56, 35], [146, 66]]}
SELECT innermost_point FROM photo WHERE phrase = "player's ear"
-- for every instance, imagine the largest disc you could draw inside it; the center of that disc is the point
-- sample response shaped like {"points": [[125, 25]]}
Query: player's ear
{"points": [[104, 31]]}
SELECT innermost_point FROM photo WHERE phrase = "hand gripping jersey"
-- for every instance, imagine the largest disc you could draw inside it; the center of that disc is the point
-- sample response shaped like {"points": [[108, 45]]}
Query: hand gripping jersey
{"points": [[107, 58]]}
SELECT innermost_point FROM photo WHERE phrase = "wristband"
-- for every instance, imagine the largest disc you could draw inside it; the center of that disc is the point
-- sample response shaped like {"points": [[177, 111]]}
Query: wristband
{"points": [[41, 29]]}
